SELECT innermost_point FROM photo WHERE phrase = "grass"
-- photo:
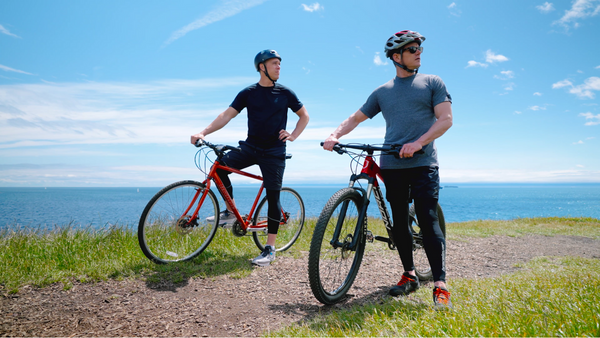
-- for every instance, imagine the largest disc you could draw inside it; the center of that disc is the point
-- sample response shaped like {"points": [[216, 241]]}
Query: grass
{"points": [[532, 302], [64, 254], [548, 226]]}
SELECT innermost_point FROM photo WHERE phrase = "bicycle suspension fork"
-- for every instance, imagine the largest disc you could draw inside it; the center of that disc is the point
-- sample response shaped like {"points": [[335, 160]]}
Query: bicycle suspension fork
{"points": [[360, 229]]}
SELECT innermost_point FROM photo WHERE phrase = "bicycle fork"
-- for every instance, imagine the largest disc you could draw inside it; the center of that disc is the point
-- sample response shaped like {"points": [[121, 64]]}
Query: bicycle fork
{"points": [[361, 224]]}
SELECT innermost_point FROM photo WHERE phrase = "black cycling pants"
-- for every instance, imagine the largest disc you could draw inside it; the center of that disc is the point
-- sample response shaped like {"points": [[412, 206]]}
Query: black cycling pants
{"points": [[272, 165], [420, 184]]}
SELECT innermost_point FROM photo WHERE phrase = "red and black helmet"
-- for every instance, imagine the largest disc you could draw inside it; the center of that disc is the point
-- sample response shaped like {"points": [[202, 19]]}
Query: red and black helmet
{"points": [[400, 39]]}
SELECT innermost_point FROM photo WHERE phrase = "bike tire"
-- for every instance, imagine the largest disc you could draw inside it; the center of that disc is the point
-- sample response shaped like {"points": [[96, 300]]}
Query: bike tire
{"points": [[165, 236], [291, 225], [422, 267], [331, 271]]}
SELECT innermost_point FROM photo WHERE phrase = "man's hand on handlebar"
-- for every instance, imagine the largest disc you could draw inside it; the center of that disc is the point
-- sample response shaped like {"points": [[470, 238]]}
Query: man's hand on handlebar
{"points": [[197, 137], [409, 149], [330, 142]]}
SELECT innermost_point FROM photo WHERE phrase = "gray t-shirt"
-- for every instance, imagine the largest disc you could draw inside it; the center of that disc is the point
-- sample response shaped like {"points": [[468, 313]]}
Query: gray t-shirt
{"points": [[407, 107]]}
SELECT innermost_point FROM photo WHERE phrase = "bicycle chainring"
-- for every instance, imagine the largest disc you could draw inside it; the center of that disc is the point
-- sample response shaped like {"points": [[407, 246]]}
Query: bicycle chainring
{"points": [[236, 229]]}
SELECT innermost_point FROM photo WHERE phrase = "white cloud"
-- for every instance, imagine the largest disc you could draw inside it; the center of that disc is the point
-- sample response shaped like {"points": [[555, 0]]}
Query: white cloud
{"points": [[377, 60], [507, 74], [8, 69], [578, 142], [454, 9], [509, 86], [110, 113], [7, 32], [313, 8], [594, 119], [584, 90], [537, 94], [597, 67], [547, 7], [517, 176], [536, 108], [491, 57], [581, 9], [560, 84], [227, 9], [476, 64]]}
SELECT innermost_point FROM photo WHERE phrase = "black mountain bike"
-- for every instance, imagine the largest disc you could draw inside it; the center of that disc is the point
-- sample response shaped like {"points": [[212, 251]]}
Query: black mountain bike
{"points": [[341, 233]]}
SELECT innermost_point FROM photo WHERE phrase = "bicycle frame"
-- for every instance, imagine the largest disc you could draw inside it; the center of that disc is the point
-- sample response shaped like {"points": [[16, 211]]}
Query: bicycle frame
{"points": [[212, 176]]}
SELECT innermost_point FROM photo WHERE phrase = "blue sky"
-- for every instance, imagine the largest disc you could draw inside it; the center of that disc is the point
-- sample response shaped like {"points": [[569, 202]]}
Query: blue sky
{"points": [[107, 93]]}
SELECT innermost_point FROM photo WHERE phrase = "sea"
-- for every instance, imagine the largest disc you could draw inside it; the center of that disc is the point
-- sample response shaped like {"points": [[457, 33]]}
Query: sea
{"points": [[106, 207]]}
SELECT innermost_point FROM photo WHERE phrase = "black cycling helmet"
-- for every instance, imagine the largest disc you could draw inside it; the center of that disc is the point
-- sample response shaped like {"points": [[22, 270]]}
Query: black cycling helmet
{"points": [[262, 57]]}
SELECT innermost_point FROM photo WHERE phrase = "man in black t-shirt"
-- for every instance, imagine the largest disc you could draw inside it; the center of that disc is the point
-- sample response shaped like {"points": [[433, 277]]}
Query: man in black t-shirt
{"points": [[267, 103]]}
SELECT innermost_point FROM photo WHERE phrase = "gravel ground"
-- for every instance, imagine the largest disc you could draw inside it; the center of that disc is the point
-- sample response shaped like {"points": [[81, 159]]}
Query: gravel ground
{"points": [[268, 299]]}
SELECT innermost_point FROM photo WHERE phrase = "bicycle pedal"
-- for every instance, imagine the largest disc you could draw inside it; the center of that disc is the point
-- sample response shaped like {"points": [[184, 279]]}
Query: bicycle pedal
{"points": [[383, 239]]}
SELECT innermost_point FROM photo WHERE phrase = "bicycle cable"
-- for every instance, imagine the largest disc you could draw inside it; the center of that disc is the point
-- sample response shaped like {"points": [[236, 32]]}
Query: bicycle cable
{"points": [[356, 161], [203, 161]]}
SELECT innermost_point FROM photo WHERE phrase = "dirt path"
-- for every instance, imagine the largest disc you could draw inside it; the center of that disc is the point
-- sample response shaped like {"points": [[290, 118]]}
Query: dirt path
{"points": [[268, 299]]}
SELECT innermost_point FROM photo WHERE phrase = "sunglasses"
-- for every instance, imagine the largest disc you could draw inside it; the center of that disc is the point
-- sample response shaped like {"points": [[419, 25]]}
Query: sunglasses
{"points": [[413, 49]]}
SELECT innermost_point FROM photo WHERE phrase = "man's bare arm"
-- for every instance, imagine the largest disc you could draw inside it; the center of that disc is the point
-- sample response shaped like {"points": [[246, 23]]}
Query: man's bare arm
{"points": [[217, 124], [344, 128]]}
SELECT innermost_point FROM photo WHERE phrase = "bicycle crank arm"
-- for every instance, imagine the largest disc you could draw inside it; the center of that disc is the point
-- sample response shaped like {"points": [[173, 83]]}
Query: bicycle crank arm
{"points": [[383, 239], [389, 242]]}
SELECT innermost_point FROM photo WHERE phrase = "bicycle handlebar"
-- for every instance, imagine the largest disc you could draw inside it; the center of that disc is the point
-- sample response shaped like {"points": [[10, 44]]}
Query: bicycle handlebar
{"points": [[218, 148], [389, 149]]}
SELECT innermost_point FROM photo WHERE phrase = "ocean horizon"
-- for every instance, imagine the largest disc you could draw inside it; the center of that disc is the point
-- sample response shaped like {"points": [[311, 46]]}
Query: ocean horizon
{"points": [[98, 207]]}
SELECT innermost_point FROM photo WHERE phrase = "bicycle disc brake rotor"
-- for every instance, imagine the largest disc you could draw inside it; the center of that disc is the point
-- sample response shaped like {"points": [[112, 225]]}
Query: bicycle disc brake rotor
{"points": [[345, 251], [183, 226]]}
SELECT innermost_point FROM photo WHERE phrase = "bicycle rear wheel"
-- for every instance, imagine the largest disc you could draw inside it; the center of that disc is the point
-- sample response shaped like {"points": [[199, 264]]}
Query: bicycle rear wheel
{"points": [[167, 234], [422, 267], [332, 269], [293, 212]]}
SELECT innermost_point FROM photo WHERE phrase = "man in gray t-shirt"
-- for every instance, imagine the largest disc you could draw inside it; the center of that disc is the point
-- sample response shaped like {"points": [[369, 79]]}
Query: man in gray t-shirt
{"points": [[417, 110]]}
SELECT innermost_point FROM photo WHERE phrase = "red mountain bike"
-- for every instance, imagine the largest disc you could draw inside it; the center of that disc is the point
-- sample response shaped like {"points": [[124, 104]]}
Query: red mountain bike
{"points": [[181, 220], [341, 233]]}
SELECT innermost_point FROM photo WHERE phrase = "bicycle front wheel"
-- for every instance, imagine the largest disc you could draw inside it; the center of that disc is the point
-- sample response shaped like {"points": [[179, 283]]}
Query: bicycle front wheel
{"points": [[167, 233], [422, 267], [292, 220], [332, 268]]}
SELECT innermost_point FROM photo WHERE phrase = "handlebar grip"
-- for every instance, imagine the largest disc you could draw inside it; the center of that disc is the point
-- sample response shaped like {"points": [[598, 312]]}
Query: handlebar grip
{"points": [[199, 143], [336, 148]]}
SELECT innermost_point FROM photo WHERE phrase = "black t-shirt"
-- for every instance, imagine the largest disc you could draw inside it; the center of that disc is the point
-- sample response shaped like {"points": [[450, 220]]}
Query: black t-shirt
{"points": [[267, 112]]}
